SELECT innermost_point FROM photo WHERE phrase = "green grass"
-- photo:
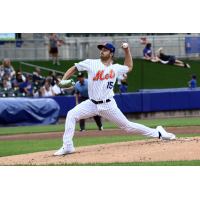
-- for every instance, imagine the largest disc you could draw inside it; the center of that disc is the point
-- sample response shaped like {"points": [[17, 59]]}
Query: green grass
{"points": [[161, 163], [107, 125], [8, 148], [145, 75]]}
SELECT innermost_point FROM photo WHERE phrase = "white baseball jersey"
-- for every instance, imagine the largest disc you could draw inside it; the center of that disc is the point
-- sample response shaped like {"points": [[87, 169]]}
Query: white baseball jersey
{"points": [[101, 78]]}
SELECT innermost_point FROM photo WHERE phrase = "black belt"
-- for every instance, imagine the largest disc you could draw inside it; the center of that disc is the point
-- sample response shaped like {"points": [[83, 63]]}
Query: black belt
{"points": [[84, 97], [97, 102]]}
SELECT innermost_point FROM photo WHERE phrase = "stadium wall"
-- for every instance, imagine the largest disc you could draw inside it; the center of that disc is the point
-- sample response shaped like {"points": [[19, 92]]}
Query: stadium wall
{"points": [[148, 105], [133, 105]]}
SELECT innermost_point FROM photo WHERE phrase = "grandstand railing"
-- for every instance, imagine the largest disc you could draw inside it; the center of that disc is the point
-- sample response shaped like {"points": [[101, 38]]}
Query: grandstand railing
{"points": [[44, 68], [37, 49]]}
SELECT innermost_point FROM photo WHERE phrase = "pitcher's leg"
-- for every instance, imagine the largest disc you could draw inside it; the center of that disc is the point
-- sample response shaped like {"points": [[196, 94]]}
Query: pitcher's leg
{"points": [[82, 124], [98, 121], [114, 115], [82, 111]]}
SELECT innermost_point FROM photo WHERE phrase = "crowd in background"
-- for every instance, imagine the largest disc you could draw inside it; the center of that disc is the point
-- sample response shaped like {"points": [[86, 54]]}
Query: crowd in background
{"points": [[16, 80], [46, 86]]}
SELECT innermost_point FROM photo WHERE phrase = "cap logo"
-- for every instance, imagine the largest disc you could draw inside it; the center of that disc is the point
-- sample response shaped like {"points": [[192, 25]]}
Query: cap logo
{"points": [[79, 74]]}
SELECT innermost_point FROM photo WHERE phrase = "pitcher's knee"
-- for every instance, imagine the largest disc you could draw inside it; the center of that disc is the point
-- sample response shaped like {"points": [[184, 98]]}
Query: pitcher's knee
{"points": [[72, 115], [128, 127]]}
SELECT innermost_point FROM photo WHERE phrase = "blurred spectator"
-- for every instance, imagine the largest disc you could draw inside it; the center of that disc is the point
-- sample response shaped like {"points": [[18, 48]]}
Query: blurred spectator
{"points": [[147, 52], [193, 82], [122, 77], [48, 91], [59, 75], [26, 87], [39, 93], [7, 68], [56, 88], [53, 46], [1, 71], [45, 91], [123, 88], [7, 82], [18, 81], [23, 77], [52, 74], [169, 59], [37, 77], [49, 79]]}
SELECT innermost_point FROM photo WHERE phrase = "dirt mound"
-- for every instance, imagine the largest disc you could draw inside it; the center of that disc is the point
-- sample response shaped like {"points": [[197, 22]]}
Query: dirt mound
{"points": [[144, 151]]}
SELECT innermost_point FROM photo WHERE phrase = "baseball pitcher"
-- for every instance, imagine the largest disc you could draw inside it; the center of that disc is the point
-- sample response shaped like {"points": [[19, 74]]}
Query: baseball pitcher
{"points": [[102, 76]]}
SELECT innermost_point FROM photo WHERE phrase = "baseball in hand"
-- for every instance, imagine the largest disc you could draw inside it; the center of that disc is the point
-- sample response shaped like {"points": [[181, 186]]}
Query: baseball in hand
{"points": [[125, 45]]}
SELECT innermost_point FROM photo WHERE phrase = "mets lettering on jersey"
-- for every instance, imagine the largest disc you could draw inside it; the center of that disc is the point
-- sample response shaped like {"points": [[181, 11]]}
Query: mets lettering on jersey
{"points": [[107, 76], [101, 78]]}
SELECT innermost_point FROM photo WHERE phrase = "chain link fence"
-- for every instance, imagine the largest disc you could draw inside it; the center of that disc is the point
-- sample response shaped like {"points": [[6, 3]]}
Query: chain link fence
{"points": [[37, 49], [86, 47]]}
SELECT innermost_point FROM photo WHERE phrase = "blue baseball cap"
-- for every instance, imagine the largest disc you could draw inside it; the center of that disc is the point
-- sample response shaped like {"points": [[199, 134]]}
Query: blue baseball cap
{"points": [[107, 45], [193, 76], [27, 75]]}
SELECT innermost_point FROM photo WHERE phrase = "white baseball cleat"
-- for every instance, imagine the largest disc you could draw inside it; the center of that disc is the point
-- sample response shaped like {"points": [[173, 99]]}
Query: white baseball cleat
{"points": [[62, 151], [164, 135]]}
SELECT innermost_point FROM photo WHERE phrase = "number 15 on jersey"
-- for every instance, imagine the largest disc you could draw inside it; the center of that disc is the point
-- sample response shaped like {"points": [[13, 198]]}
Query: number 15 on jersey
{"points": [[110, 85]]}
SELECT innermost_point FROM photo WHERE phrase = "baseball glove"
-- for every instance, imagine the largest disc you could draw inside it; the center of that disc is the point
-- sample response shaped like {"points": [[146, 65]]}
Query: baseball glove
{"points": [[66, 83]]}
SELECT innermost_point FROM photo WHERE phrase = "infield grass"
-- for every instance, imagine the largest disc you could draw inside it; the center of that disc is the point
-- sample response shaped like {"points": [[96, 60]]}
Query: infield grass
{"points": [[107, 125], [8, 148], [158, 163]]}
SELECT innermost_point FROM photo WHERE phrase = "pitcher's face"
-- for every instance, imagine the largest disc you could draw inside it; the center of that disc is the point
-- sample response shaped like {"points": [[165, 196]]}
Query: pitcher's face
{"points": [[105, 54]]}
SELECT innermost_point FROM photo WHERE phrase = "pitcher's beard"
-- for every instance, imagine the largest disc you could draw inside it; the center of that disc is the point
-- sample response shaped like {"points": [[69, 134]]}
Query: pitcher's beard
{"points": [[103, 57]]}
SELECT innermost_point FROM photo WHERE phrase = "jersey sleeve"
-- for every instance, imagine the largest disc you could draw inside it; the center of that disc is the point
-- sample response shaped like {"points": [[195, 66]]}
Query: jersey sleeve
{"points": [[122, 69], [83, 65]]}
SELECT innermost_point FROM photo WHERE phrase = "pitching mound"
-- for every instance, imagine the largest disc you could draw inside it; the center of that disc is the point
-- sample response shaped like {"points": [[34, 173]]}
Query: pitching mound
{"points": [[144, 151]]}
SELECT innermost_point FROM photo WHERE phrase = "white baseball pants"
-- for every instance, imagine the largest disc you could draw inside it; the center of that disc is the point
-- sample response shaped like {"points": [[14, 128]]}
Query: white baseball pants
{"points": [[110, 111]]}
